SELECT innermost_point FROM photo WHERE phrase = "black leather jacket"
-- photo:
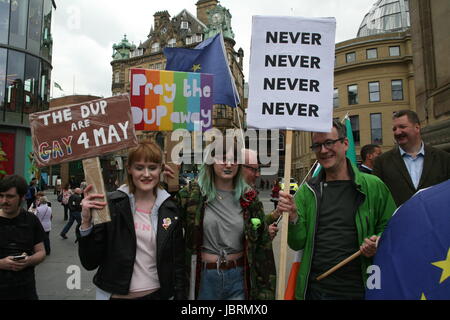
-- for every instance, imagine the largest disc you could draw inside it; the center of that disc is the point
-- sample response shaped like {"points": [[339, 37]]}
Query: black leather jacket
{"points": [[112, 248]]}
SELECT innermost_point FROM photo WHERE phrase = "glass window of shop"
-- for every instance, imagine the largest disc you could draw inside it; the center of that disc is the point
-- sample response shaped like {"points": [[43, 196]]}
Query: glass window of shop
{"points": [[34, 26], [18, 23], [45, 86], [14, 81], [31, 85], [4, 20], [46, 46], [3, 53]]}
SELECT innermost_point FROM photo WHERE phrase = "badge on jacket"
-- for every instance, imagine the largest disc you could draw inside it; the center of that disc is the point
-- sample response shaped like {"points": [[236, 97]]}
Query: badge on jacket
{"points": [[166, 223]]}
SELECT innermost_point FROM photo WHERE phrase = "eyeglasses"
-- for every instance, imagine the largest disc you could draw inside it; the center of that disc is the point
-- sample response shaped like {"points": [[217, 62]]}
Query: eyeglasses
{"points": [[255, 170], [316, 147]]}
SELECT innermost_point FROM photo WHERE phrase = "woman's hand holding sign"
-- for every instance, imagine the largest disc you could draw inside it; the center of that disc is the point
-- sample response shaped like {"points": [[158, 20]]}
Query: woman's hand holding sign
{"points": [[89, 202]]}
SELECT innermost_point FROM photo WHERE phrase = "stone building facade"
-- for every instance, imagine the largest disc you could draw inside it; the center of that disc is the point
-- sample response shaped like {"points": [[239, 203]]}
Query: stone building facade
{"points": [[431, 48], [182, 30]]}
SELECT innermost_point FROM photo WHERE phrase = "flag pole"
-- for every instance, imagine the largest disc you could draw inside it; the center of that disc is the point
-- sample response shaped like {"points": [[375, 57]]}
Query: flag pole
{"points": [[339, 265], [284, 222]]}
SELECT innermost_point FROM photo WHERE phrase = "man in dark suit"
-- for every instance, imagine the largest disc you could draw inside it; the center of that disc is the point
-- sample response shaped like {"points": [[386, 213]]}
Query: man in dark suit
{"points": [[369, 153], [411, 165]]}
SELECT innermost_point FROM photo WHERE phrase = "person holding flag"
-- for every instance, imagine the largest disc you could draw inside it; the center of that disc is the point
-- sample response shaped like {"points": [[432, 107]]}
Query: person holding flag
{"points": [[336, 213]]}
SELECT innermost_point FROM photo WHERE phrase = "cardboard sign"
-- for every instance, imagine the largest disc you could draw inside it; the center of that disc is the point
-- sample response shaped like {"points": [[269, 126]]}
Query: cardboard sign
{"points": [[169, 100], [291, 73], [82, 131]]}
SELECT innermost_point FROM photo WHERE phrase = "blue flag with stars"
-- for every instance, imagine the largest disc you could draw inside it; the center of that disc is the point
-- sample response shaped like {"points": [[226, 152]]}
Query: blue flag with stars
{"points": [[208, 57], [414, 251]]}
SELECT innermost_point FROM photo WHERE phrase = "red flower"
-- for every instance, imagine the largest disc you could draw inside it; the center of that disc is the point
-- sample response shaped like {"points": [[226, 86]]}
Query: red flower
{"points": [[248, 198]]}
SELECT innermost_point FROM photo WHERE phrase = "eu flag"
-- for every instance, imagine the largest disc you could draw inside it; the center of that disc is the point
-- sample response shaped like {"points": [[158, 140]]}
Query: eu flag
{"points": [[414, 250], [208, 57]]}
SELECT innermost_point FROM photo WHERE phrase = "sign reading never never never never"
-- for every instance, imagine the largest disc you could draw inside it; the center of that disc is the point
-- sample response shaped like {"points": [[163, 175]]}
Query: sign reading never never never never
{"points": [[82, 131], [291, 73]]}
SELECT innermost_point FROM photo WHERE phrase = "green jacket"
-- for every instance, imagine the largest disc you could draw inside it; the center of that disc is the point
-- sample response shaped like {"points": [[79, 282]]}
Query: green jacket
{"points": [[374, 211], [259, 270]]}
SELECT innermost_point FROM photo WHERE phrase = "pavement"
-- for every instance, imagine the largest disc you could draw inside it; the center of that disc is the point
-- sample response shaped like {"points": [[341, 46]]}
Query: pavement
{"points": [[61, 277]]}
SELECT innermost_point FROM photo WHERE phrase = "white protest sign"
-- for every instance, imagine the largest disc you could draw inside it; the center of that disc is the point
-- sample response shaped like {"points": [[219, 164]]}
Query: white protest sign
{"points": [[291, 73]]}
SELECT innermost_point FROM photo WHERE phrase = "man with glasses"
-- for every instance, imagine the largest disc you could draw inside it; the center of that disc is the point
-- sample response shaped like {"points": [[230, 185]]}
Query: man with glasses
{"points": [[335, 214], [251, 170]]}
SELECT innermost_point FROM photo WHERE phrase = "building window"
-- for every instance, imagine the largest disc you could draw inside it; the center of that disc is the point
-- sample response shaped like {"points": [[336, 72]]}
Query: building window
{"points": [[117, 77], [14, 81], [350, 57], [199, 38], [184, 25], [18, 23], [336, 98], [3, 53], [34, 26], [372, 53], [45, 84], [155, 47], [31, 84], [172, 43], [397, 89], [188, 40], [374, 91], [375, 128], [4, 21], [221, 111], [46, 49], [354, 121], [352, 94], [394, 51]]}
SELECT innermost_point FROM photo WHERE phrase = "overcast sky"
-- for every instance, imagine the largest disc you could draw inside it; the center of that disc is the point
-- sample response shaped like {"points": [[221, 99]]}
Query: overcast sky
{"points": [[85, 30]]}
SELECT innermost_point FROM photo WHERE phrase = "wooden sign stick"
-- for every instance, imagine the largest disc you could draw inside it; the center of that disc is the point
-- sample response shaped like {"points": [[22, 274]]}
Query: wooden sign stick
{"points": [[339, 265], [93, 174], [281, 282]]}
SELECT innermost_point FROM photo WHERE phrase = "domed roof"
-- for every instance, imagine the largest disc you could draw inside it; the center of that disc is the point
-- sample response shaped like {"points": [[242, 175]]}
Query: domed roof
{"points": [[385, 16], [124, 44]]}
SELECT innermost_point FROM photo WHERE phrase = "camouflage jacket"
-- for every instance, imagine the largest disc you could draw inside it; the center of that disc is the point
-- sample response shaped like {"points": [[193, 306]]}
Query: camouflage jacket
{"points": [[259, 270]]}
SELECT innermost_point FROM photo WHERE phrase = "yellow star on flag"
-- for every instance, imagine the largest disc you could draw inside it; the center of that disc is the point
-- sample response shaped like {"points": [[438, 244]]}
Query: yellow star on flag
{"points": [[423, 297], [445, 266], [196, 67]]}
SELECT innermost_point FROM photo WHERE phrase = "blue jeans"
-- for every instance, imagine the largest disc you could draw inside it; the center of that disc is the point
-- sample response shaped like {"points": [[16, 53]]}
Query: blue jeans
{"points": [[222, 284], [74, 216]]}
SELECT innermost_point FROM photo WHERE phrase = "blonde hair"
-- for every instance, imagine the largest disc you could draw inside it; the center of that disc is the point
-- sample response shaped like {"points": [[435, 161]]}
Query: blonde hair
{"points": [[43, 199], [147, 151]]}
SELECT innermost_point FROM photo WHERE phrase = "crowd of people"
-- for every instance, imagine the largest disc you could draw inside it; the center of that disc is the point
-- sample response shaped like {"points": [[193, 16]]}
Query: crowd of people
{"points": [[212, 240]]}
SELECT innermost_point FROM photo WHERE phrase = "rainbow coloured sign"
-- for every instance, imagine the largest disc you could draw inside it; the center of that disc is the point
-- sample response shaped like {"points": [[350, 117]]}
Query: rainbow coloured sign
{"points": [[169, 100]]}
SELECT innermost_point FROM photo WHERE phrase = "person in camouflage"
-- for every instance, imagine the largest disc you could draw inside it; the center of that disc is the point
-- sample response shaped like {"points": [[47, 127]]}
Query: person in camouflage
{"points": [[226, 234]]}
